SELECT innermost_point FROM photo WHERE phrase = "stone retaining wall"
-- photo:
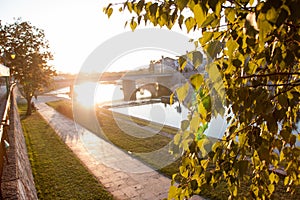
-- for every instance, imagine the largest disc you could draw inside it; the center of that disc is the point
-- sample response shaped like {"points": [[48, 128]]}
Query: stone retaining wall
{"points": [[17, 180]]}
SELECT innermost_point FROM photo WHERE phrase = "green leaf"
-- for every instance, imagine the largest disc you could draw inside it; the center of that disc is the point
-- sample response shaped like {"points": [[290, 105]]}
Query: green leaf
{"points": [[206, 101], [203, 128]]}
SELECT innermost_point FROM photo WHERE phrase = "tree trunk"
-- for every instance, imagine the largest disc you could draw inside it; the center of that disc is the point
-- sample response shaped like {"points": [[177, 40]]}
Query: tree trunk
{"points": [[29, 106]]}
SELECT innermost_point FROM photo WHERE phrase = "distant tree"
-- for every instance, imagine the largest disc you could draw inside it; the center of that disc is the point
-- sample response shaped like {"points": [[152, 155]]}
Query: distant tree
{"points": [[29, 68], [254, 72]]}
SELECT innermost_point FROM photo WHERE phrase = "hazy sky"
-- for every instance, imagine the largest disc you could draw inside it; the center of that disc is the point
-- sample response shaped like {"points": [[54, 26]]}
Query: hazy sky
{"points": [[74, 28]]}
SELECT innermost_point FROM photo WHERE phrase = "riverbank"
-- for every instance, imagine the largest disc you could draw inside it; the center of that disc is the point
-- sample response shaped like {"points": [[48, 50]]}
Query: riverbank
{"points": [[117, 132], [58, 174]]}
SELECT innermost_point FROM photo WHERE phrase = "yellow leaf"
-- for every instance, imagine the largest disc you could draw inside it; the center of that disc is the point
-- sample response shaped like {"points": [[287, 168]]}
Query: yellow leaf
{"points": [[216, 80], [207, 36], [235, 191], [201, 144], [133, 25], [204, 163], [230, 15], [271, 188], [202, 110], [290, 95], [177, 139], [182, 92], [190, 23], [194, 123], [199, 15], [171, 98], [109, 12], [172, 192], [196, 81]]}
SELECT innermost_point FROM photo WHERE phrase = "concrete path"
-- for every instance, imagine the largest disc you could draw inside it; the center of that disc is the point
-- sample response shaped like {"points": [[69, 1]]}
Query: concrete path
{"points": [[122, 175]]}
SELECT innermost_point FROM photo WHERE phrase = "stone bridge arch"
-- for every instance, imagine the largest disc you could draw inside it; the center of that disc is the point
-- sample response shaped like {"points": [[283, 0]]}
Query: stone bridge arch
{"points": [[167, 83], [157, 90]]}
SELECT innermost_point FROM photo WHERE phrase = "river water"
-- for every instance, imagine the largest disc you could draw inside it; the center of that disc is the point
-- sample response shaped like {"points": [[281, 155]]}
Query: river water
{"points": [[112, 95]]}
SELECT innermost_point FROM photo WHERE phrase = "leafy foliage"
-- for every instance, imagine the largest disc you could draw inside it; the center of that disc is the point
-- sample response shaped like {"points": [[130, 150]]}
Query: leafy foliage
{"points": [[29, 68], [254, 73]]}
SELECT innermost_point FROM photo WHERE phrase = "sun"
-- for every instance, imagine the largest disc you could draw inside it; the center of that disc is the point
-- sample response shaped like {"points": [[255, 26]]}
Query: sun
{"points": [[84, 94]]}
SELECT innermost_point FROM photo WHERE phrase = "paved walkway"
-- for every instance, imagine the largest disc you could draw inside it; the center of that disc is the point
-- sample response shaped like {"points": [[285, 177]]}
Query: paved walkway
{"points": [[116, 170]]}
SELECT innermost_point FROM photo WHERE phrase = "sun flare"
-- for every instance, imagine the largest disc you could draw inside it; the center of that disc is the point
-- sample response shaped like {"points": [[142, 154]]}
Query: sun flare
{"points": [[84, 94]]}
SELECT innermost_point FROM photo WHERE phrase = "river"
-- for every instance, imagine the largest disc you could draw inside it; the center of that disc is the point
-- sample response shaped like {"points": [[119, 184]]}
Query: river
{"points": [[112, 95]]}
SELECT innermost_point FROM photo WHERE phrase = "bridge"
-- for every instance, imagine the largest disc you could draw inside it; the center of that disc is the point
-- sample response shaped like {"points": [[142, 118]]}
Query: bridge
{"points": [[158, 84]]}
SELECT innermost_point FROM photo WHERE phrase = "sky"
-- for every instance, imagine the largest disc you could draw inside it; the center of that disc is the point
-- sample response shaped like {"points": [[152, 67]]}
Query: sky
{"points": [[74, 28]]}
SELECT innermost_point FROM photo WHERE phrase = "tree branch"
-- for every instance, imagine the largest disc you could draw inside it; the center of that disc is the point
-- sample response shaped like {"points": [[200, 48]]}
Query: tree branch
{"points": [[293, 84], [273, 74]]}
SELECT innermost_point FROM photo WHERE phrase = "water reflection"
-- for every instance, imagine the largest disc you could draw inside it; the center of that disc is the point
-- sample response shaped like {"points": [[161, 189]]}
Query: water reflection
{"points": [[156, 112], [162, 113]]}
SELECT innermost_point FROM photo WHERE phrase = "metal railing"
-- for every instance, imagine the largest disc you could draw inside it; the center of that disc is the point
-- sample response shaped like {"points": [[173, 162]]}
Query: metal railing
{"points": [[4, 127]]}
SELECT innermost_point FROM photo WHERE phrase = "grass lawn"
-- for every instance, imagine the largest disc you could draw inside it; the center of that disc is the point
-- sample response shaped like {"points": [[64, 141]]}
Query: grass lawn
{"points": [[125, 141], [58, 174]]}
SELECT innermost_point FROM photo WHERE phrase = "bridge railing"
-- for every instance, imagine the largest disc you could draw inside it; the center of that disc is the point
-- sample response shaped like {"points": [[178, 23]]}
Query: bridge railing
{"points": [[4, 127]]}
